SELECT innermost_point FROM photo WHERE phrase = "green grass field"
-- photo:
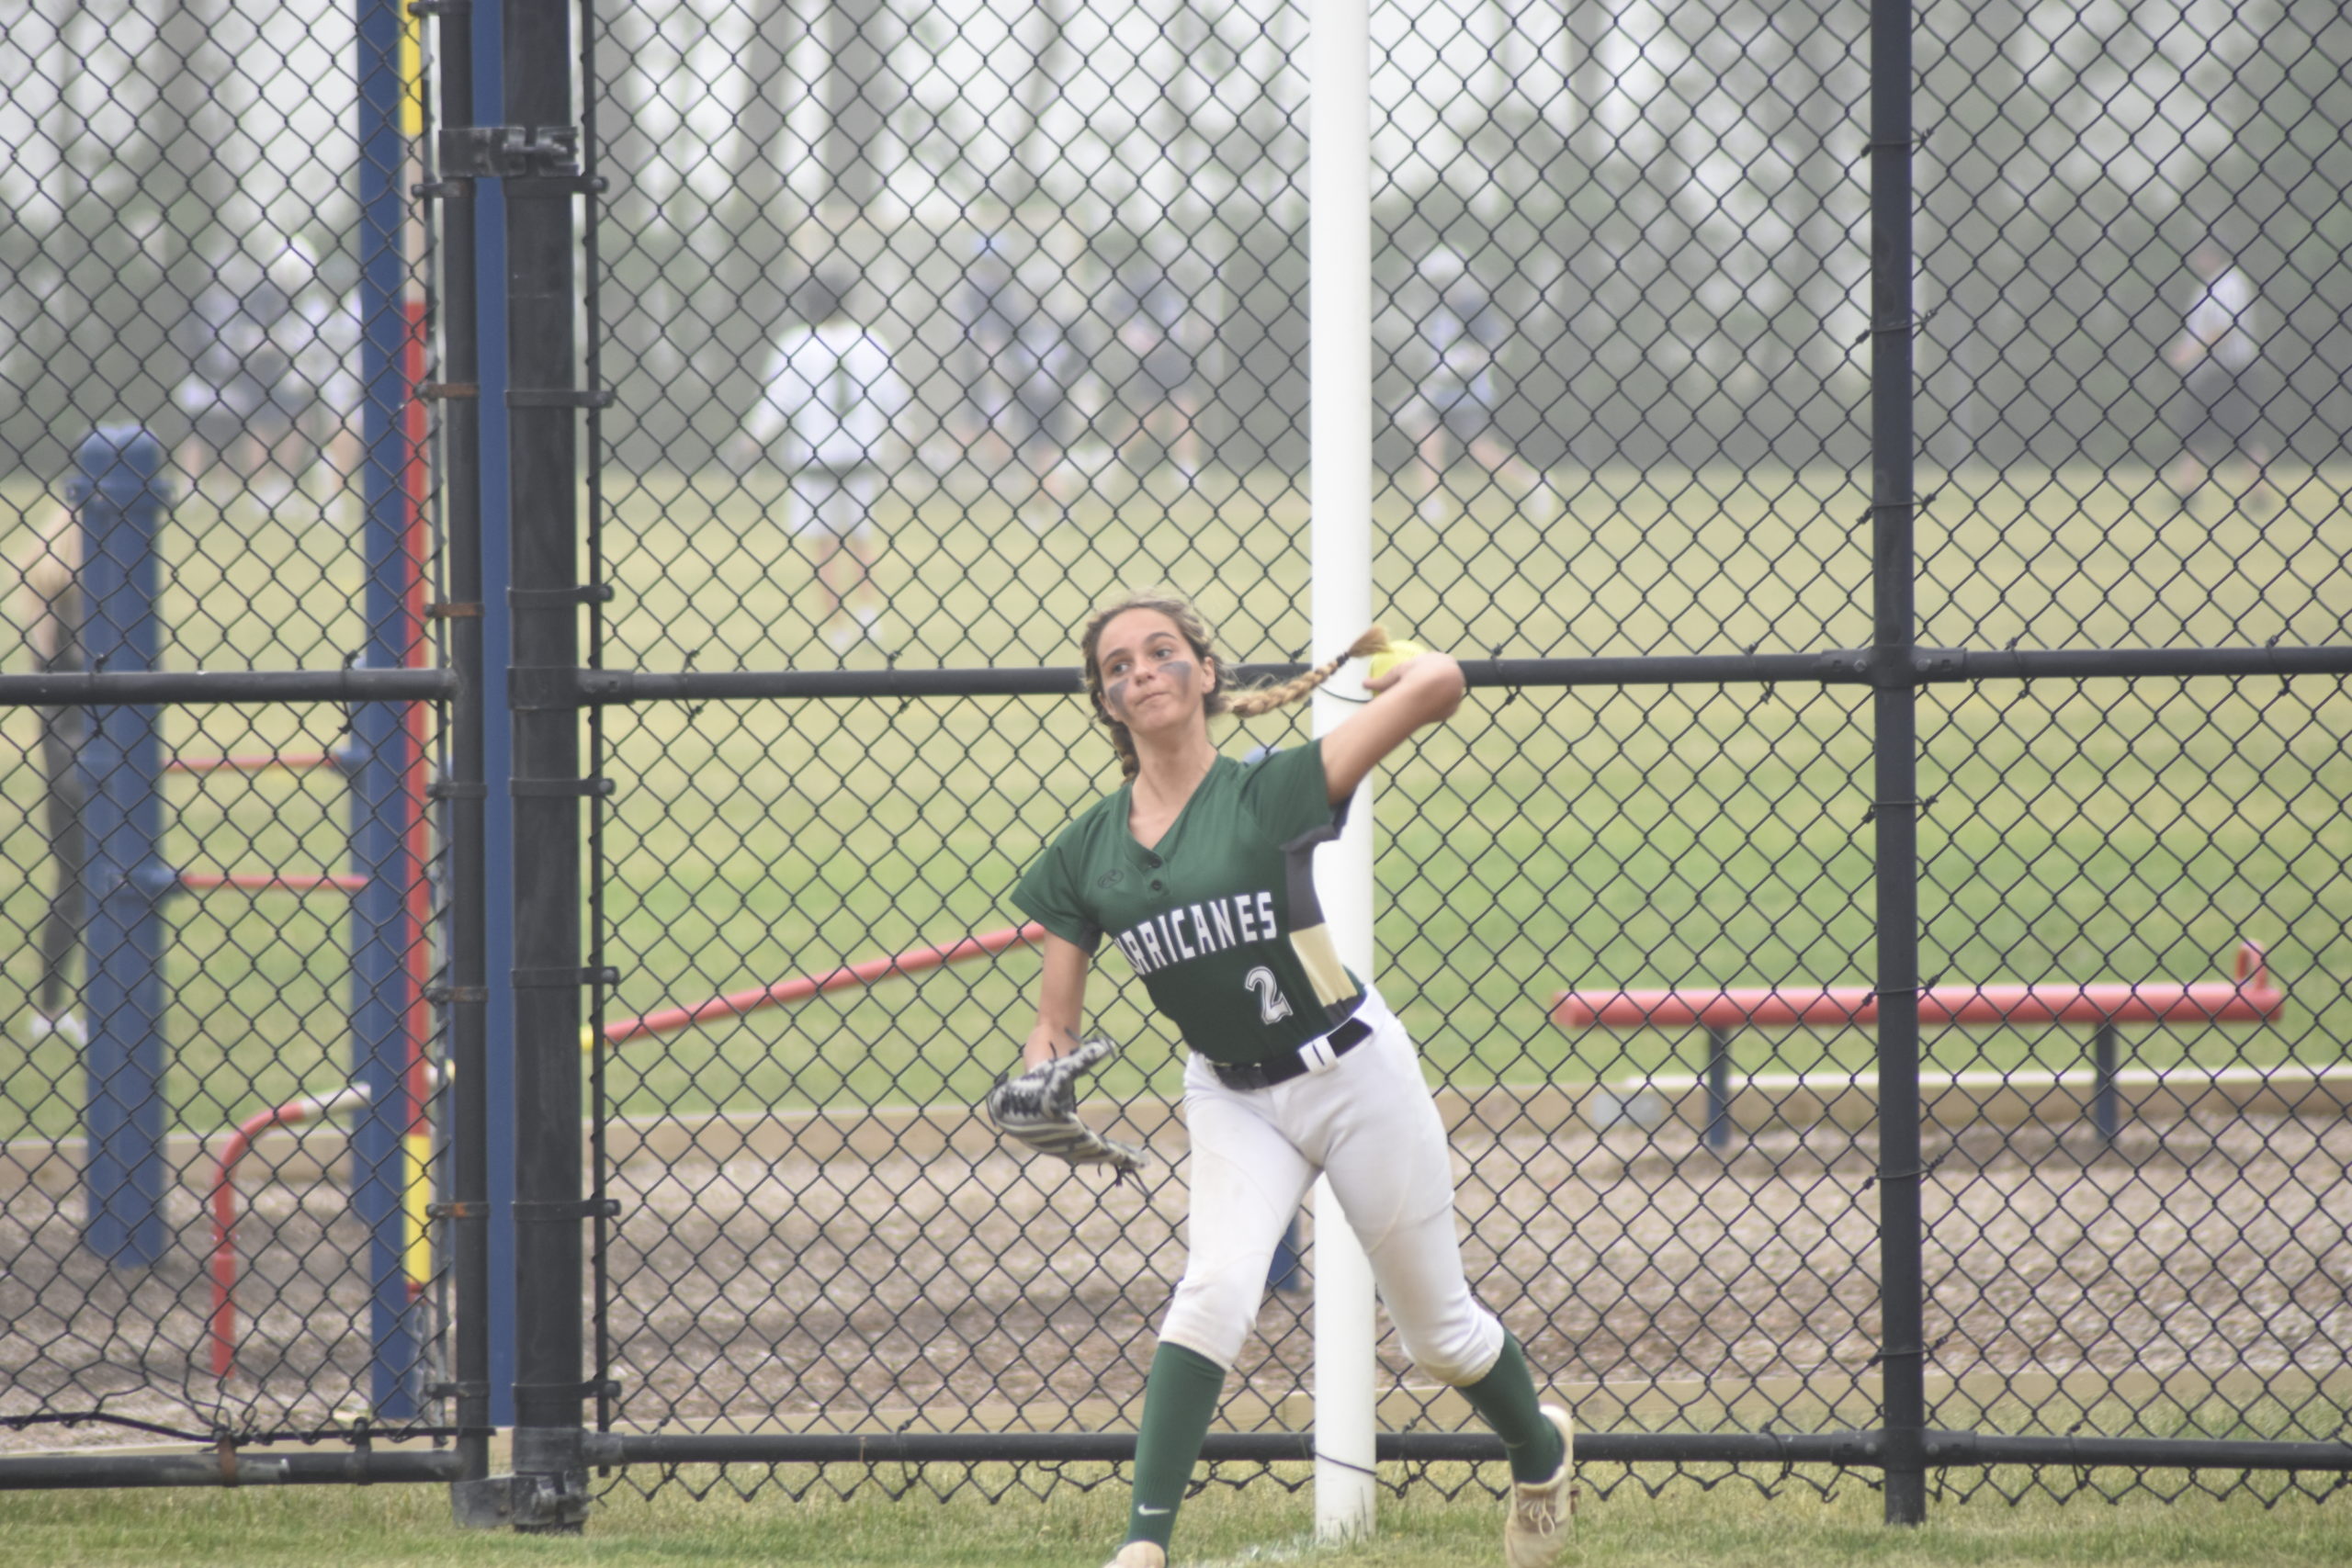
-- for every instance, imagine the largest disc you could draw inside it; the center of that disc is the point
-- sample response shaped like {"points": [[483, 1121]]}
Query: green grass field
{"points": [[409, 1526], [1642, 837], [1639, 836]]}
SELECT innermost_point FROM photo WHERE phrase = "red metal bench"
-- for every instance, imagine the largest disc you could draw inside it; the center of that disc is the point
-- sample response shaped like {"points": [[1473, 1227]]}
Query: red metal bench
{"points": [[2249, 997]]}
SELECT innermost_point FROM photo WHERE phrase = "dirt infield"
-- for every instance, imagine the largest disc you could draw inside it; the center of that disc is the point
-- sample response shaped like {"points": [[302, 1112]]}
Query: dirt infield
{"points": [[861, 1273], [962, 1288]]}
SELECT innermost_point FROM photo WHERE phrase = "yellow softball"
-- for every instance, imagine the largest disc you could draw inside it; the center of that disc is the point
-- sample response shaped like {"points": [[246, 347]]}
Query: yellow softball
{"points": [[1387, 659]]}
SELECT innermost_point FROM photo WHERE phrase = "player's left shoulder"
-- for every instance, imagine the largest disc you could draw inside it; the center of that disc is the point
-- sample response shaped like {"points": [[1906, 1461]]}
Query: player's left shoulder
{"points": [[1282, 784]]}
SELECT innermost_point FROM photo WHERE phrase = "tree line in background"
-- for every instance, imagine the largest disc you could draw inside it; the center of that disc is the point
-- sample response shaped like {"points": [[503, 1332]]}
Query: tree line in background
{"points": [[1667, 202]]}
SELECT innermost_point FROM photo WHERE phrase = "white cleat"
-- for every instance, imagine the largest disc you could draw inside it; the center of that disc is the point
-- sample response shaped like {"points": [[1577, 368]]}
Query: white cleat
{"points": [[1139, 1554], [1544, 1513]]}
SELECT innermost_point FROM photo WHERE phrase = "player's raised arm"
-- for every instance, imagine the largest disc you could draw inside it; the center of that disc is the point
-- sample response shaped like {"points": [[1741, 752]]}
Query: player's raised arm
{"points": [[1419, 688]]}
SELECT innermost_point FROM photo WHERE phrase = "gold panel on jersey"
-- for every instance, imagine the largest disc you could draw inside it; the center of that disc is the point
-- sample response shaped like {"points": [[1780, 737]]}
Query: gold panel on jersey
{"points": [[1320, 958]]}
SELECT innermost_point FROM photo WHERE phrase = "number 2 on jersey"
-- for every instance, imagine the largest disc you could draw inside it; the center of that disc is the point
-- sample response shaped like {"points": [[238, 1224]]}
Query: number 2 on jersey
{"points": [[1273, 1006]]}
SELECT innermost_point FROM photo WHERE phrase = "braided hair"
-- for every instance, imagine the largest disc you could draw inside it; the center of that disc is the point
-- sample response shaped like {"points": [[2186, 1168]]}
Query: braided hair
{"points": [[1243, 704]]}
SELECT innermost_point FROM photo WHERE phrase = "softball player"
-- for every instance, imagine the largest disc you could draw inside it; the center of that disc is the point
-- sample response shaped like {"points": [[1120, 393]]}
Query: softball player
{"points": [[1198, 869]]}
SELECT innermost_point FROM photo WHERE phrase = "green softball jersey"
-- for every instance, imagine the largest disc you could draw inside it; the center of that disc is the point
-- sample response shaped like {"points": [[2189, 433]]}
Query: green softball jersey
{"points": [[1220, 916]]}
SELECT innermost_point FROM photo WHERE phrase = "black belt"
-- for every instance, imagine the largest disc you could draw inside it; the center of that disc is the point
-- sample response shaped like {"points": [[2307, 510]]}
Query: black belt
{"points": [[1297, 1063]]}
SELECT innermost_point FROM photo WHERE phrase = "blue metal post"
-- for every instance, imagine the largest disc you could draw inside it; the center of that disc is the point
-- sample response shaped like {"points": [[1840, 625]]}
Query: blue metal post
{"points": [[119, 495], [379, 806]]}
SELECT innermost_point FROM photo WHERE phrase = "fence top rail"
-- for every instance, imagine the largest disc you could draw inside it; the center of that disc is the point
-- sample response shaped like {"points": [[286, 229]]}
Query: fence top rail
{"points": [[124, 688], [1914, 666]]}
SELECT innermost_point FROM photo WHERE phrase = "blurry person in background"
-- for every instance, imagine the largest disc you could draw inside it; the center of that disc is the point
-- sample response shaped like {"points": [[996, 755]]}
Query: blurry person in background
{"points": [[329, 435], [1019, 367], [272, 391], [1454, 391], [827, 419], [989, 360], [49, 610], [2218, 412], [1164, 336]]}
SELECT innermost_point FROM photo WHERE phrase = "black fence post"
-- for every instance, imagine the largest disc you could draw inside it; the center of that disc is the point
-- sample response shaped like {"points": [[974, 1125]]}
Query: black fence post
{"points": [[1902, 1355], [537, 151]]}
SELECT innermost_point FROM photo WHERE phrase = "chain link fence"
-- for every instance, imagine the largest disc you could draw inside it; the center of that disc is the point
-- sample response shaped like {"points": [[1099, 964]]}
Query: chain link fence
{"points": [[924, 330], [221, 894], [1623, 362]]}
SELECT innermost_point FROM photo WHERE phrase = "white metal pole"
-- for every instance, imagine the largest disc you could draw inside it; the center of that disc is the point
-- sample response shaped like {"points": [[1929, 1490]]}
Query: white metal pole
{"points": [[1339, 486]]}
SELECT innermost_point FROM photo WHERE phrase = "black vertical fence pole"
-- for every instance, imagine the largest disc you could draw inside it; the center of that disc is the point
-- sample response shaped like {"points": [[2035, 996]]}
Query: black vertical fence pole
{"points": [[541, 147], [468, 1212], [592, 366], [1897, 773]]}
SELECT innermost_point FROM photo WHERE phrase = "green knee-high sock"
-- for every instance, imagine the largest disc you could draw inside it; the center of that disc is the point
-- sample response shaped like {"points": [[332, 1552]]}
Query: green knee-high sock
{"points": [[1178, 1400], [1506, 1399]]}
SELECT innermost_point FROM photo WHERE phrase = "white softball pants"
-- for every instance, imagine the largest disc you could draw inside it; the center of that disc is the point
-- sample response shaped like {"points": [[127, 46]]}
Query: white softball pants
{"points": [[1368, 1124]]}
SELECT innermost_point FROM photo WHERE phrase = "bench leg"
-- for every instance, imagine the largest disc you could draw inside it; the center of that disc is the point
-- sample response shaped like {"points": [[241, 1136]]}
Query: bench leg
{"points": [[1718, 1088], [2103, 1096]]}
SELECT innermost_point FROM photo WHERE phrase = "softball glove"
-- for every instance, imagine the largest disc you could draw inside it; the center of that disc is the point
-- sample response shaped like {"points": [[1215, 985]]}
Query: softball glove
{"points": [[1039, 1108]]}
